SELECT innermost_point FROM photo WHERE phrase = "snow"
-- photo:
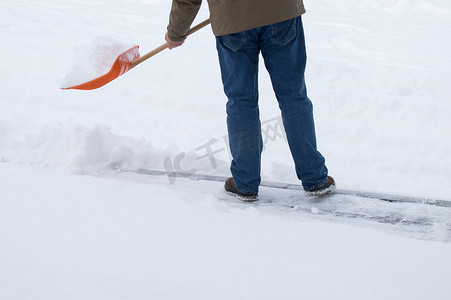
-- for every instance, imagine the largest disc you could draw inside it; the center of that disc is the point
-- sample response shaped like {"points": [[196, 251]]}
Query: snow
{"points": [[378, 75], [83, 237]]}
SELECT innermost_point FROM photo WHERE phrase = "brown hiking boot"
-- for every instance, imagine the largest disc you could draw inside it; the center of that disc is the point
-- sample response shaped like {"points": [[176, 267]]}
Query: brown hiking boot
{"points": [[327, 188], [230, 188]]}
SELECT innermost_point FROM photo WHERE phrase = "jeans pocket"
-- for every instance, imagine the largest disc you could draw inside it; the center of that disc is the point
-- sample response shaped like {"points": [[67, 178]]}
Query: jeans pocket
{"points": [[284, 32], [234, 41]]}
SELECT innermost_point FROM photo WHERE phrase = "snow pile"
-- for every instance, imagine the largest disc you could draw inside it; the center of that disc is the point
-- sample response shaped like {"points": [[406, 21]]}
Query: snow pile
{"points": [[95, 59], [92, 150], [79, 150]]}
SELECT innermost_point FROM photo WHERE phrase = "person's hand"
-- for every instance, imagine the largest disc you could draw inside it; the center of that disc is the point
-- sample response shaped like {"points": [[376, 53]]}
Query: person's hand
{"points": [[171, 44]]}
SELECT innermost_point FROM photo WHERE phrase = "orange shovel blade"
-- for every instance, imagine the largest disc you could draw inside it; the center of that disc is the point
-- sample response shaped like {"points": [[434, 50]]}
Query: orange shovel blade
{"points": [[120, 66]]}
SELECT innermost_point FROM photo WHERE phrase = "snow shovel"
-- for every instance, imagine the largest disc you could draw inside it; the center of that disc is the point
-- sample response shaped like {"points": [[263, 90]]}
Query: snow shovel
{"points": [[125, 62]]}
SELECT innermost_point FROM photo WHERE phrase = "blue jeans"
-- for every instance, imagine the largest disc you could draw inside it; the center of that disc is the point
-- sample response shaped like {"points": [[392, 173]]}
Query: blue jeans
{"points": [[282, 46]]}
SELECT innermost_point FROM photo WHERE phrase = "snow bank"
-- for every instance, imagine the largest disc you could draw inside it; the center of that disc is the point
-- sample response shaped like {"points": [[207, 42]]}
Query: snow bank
{"points": [[77, 149], [90, 150]]}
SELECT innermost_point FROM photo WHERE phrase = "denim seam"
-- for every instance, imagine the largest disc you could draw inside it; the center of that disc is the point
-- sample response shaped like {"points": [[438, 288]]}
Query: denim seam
{"points": [[290, 39], [228, 42]]}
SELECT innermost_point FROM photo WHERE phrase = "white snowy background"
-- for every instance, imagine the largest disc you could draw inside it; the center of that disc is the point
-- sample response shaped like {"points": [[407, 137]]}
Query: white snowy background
{"points": [[75, 224]]}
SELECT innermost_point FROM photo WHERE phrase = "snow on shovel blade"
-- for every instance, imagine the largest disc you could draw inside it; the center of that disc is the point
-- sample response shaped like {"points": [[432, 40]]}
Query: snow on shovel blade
{"points": [[126, 61], [120, 66]]}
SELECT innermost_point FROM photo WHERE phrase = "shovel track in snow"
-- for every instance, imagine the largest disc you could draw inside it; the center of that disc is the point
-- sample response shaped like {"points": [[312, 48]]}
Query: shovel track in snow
{"points": [[286, 186], [416, 217]]}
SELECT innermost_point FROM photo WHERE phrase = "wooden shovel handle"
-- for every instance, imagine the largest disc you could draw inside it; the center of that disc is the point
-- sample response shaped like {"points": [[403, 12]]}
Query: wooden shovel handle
{"points": [[164, 46]]}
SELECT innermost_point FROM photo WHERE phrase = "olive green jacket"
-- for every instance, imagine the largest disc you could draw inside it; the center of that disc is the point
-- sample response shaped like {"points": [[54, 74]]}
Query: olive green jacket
{"points": [[231, 16]]}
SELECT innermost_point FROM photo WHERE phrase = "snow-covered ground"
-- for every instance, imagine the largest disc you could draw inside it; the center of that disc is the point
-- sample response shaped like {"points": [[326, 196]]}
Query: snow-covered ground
{"points": [[378, 75], [83, 237]]}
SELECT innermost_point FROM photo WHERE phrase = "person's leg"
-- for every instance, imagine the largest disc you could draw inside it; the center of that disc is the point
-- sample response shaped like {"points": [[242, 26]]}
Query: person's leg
{"points": [[283, 49], [238, 58]]}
